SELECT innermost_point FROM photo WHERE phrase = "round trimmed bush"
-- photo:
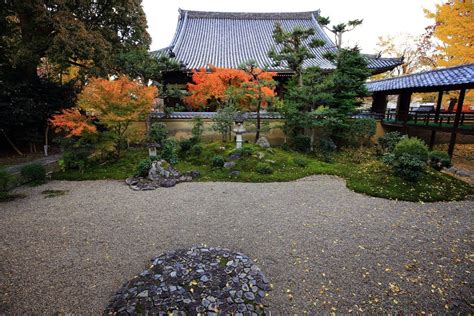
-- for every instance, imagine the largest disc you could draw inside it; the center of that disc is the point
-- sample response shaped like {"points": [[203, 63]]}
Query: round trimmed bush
{"points": [[411, 146], [143, 167], [264, 168], [410, 156], [35, 174], [196, 150], [170, 151], [185, 145], [217, 161], [389, 140], [302, 143], [246, 151], [439, 160]]}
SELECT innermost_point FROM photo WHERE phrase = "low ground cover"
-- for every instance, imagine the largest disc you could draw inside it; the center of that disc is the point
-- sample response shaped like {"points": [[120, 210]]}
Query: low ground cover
{"points": [[361, 169]]}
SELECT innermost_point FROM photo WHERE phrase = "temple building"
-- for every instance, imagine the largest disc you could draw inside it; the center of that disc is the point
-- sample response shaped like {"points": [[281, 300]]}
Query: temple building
{"points": [[225, 39]]}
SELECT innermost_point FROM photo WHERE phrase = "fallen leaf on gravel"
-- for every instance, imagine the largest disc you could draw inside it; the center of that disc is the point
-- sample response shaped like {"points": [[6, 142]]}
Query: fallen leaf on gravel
{"points": [[394, 288]]}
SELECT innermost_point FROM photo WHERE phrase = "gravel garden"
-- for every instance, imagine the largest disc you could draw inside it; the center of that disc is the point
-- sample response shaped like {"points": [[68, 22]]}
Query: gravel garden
{"points": [[322, 247], [261, 184]]}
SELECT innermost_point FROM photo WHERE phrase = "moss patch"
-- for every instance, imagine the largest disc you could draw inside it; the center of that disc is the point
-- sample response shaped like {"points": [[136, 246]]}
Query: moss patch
{"points": [[362, 171], [121, 169], [8, 197], [54, 193]]}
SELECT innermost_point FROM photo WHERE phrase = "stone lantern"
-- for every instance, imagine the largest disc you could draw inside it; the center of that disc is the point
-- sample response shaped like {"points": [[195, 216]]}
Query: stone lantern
{"points": [[239, 129], [152, 149]]}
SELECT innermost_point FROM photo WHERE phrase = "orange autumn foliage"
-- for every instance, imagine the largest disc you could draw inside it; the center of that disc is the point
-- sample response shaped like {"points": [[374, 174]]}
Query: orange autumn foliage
{"points": [[220, 83], [114, 103], [72, 122], [117, 101]]}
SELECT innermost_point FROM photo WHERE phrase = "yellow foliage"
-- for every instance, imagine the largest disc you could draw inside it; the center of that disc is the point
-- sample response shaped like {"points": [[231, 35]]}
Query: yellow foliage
{"points": [[455, 29]]}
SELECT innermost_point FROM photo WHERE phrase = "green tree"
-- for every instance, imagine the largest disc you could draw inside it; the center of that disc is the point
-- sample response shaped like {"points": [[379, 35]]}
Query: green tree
{"points": [[43, 41], [139, 63], [326, 100], [294, 48], [223, 120], [347, 81], [88, 34], [261, 84], [339, 29]]}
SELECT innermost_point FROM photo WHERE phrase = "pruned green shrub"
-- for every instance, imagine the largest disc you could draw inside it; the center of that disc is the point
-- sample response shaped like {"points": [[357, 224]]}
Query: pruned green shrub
{"points": [[389, 140], [5, 177], [410, 156], [197, 130], [169, 152], [185, 145], [217, 161], [143, 167], [302, 143], [264, 168], [76, 159], [245, 151], [223, 120], [300, 162], [158, 133], [35, 174], [439, 160], [412, 146], [409, 167], [357, 132], [196, 150], [327, 147], [285, 147]]}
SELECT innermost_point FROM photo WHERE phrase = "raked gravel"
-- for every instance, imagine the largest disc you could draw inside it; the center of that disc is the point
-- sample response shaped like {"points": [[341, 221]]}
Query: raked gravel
{"points": [[323, 247]]}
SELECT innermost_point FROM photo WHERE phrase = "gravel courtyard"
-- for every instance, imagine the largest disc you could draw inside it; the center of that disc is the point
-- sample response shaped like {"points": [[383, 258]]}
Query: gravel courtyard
{"points": [[323, 247]]}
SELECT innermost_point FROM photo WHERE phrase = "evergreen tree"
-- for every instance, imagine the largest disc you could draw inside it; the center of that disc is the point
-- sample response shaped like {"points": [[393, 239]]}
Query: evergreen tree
{"points": [[295, 48]]}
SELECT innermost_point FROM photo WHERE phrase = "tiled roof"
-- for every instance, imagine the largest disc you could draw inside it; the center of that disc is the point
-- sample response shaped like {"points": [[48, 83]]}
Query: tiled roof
{"points": [[226, 39], [452, 77], [210, 115]]}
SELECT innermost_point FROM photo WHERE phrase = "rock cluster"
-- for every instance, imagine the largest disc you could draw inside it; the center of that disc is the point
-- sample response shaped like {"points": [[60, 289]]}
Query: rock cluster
{"points": [[263, 142], [197, 280], [161, 174]]}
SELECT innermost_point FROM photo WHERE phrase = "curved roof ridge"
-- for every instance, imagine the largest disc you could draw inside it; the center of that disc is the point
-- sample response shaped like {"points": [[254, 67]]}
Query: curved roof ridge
{"points": [[179, 36], [249, 15]]}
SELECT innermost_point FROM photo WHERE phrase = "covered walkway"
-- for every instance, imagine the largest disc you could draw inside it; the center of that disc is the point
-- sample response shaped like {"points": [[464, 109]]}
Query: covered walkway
{"points": [[455, 120]]}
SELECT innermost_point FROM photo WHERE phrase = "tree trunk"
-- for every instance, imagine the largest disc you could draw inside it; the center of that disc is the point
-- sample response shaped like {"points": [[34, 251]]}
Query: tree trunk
{"points": [[300, 78], [28, 66], [46, 140], [11, 143], [257, 134], [311, 130]]}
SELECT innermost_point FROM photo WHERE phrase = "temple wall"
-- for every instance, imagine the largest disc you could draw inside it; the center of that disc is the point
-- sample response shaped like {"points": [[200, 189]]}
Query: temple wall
{"points": [[272, 129], [181, 129]]}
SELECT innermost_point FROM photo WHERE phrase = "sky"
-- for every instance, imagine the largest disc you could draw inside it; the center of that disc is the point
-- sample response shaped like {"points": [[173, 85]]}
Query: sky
{"points": [[381, 18]]}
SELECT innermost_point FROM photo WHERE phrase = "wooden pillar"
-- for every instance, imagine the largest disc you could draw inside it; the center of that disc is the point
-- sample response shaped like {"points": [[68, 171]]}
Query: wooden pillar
{"points": [[403, 107], [437, 111], [452, 142], [379, 102]]}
